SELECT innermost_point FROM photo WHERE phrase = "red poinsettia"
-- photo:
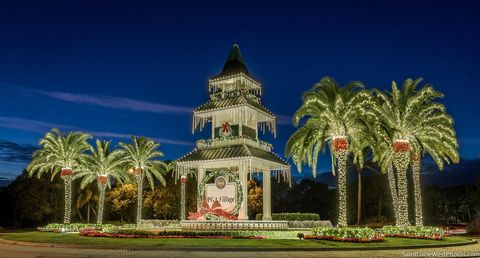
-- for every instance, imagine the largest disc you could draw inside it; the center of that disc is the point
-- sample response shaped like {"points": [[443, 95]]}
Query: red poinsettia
{"points": [[340, 143], [66, 172], [400, 146], [102, 179]]}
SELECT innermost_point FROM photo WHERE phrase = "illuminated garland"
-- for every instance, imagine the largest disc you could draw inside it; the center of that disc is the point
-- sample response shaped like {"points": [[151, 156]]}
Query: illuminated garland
{"points": [[183, 181], [139, 196], [67, 180], [224, 173], [393, 191], [417, 190], [401, 162], [103, 186], [340, 151]]}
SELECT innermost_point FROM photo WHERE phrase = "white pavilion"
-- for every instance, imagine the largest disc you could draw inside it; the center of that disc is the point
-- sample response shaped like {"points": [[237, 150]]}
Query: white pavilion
{"points": [[236, 116]]}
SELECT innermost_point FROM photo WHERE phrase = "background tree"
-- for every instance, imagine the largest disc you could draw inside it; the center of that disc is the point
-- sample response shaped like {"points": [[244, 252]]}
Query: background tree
{"points": [[98, 167], [255, 198], [87, 199], [334, 116], [121, 200], [142, 157], [60, 153]]}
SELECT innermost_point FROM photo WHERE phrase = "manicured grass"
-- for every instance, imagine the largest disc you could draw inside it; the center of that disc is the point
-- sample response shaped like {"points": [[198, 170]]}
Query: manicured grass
{"points": [[73, 238]]}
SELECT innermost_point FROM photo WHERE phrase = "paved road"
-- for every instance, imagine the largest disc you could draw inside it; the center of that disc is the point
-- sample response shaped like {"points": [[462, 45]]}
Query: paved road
{"points": [[14, 251]]}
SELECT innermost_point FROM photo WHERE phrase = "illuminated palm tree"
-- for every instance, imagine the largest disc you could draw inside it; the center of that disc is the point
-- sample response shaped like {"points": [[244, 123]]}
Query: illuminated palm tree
{"points": [[414, 124], [102, 164], [60, 153], [142, 158], [335, 116]]}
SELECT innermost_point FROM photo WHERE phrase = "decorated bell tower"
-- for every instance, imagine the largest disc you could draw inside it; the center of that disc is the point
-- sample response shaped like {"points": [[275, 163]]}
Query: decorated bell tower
{"points": [[237, 116]]}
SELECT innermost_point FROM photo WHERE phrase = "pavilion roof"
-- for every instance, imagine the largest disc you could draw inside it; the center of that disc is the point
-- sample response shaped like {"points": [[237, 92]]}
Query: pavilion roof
{"points": [[229, 152], [239, 100]]}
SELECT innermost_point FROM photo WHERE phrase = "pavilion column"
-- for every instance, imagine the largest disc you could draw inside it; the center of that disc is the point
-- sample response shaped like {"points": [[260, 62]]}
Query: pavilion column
{"points": [[267, 195], [243, 173], [200, 176]]}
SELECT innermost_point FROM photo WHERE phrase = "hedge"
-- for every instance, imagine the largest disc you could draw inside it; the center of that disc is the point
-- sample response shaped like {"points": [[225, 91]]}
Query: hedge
{"points": [[190, 233], [77, 227], [422, 232], [310, 224], [292, 216], [345, 235]]}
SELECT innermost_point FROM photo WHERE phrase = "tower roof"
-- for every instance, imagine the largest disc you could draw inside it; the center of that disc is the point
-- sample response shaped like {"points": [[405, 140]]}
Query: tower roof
{"points": [[234, 64]]}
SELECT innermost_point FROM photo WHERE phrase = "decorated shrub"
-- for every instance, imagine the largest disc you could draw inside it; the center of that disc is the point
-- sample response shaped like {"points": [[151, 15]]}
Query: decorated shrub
{"points": [[345, 235], [422, 232], [77, 227], [292, 216]]}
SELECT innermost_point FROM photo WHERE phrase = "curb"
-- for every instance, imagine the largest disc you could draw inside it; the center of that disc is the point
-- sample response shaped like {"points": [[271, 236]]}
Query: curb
{"points": [[226, 249]]}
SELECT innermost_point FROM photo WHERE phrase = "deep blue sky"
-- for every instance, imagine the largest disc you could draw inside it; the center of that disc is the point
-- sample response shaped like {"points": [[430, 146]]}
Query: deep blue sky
{"points": [[138, 67]]}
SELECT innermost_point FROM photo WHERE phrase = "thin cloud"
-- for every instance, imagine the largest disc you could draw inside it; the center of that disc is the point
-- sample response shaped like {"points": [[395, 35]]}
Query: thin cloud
{"points": [[43, 127], [14, 152], [118, 103]]}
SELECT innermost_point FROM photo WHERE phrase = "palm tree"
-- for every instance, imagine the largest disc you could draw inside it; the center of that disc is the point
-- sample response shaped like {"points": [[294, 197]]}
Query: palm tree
{"points": [[102, 164], [60, 153], [142, 157], [414, 125], [335, 116]]}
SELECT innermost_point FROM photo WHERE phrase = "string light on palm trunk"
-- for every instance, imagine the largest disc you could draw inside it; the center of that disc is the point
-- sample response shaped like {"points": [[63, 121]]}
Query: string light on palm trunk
{"points": [[401, 161], [340, 152], [139, 174], [417, 190], [66, 175], [393, 191], [183, 181], [102, 181]]}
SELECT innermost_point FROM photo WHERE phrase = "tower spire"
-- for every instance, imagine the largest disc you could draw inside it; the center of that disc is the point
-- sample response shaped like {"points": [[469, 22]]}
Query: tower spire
{"points": [[234, 63]]}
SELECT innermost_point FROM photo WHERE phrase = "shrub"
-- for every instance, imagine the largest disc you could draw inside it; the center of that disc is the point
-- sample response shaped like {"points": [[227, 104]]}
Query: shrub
{"points": [[421, 232], [77, 227], [376, 222], [292, 216], [474, 226], [310, 224], [156, 223], [345, 235]]}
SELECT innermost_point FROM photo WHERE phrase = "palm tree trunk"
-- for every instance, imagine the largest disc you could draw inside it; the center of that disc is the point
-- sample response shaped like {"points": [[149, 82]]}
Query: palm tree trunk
{"points": [[401, 164], [393, 191], [182, 201], [359, 195], [88, 212], [342, 189], [101, 202], [67, 180], [139, 197], [418, 193]]}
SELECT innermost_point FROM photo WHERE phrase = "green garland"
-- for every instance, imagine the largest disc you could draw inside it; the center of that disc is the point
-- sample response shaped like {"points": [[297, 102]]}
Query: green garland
{"points": [[228, 174]]}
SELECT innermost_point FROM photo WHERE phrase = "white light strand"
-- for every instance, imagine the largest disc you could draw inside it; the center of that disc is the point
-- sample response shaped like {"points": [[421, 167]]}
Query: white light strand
{"points": [[67, 180], [401, 161], [341, 157], [139, 197], [417, 191], [101, 203], [393, 191]]}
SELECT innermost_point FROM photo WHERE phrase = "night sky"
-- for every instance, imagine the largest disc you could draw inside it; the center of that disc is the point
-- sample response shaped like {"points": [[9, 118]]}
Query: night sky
{"points": [[115, 68]]}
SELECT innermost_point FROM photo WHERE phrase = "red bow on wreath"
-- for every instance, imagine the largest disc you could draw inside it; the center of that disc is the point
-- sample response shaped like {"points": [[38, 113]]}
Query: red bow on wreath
{"points": [[225, 127], [216, 209]]}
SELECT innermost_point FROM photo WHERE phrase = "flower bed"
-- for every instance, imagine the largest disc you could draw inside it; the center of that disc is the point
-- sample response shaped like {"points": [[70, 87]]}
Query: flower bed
{"points": [[130, 233], [291, 216], [77, 227], [419, 232], [356, 235]]}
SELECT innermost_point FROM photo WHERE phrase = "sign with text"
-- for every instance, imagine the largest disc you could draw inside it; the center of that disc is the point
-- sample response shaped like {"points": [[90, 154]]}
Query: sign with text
{"points": [[221, 193]]}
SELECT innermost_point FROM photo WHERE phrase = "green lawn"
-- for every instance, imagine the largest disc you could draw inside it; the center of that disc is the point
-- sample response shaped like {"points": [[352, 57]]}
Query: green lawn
{"points": [[73, 238]]}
